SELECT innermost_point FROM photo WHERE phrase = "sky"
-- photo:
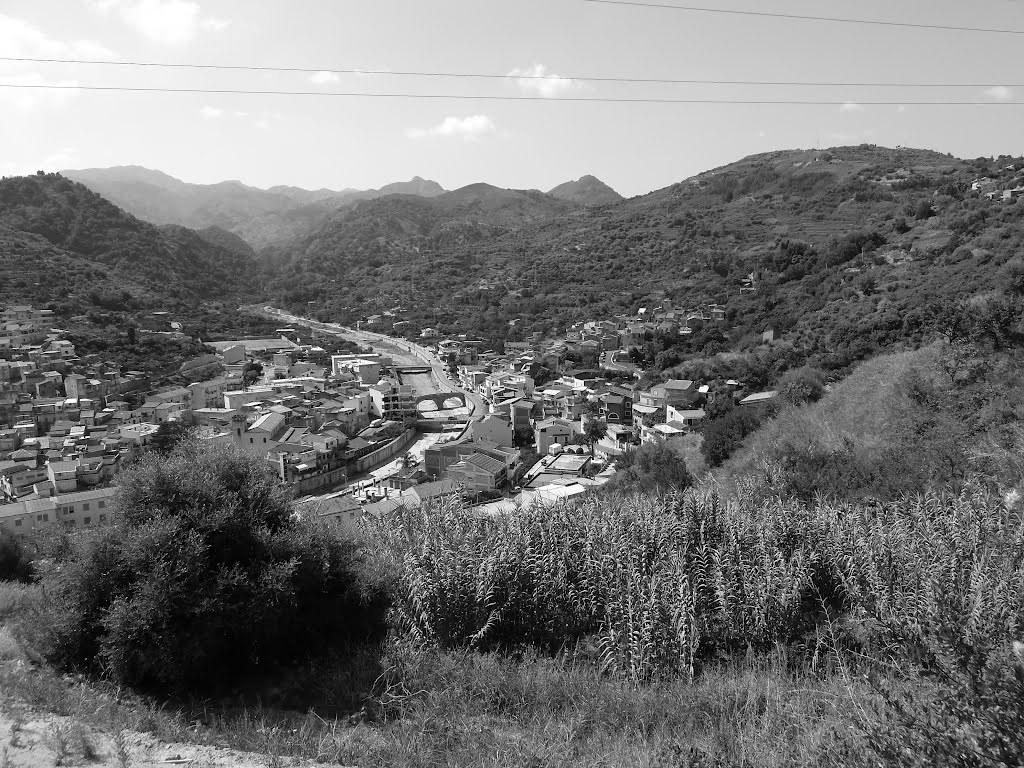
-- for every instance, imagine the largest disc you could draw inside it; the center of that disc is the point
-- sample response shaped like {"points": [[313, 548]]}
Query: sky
{"points": [[544, 49]]}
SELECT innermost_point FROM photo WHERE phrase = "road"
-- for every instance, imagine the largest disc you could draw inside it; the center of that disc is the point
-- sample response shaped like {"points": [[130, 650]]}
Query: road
{"points": [[403, 352]]}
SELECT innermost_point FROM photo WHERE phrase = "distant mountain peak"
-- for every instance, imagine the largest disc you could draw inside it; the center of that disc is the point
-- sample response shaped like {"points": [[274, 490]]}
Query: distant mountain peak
{"points": [[587, 190], [415, 186]]}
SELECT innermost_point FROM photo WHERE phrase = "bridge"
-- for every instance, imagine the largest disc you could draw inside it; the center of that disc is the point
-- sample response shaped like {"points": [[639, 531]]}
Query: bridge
{"points": [[413, 369], [440, 398]]}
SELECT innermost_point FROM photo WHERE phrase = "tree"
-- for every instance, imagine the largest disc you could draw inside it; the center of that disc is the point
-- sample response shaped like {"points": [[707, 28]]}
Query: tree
{"points": [[719, 401], [802, 385], [205, 579], [15, 560], [251, 373], [722, 436], [651, 467], [169, 434], [593, 432]]}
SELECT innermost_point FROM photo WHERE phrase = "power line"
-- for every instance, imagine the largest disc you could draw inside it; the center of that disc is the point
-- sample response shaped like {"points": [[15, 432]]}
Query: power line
{"points": [[492, 76], [802, 17], [487, 97]]}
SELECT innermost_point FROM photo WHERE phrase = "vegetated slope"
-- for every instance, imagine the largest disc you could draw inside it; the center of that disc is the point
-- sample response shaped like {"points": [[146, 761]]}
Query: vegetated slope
{"points": [[34, 271], [904, 423], [228, 240], [845, 246], [588, 190], [81, 228], [162, 199], [262, 217], [403, 228]]}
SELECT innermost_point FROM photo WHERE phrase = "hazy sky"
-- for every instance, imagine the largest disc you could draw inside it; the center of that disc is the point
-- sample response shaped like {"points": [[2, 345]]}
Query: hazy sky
{"points": [[337, 142]]}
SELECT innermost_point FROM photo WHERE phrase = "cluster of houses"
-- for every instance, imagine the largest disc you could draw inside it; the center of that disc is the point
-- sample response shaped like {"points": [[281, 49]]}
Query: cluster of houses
{"points": [[535, 395], [996, 190], [66, 429]]}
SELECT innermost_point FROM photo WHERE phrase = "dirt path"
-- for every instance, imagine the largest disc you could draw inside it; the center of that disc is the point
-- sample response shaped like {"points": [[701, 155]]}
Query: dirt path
{"points": [[35, 740]]}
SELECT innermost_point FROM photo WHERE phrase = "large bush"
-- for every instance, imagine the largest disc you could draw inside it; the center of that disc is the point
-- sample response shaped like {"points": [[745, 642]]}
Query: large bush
{"points": [[204, 579], [15, 560]]}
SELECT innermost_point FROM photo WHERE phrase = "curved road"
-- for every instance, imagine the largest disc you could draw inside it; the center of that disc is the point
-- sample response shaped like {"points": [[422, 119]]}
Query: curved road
{"points": [[414, 354]]}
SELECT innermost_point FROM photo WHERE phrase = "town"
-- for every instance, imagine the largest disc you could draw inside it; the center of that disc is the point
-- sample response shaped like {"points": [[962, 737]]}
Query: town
{"points": [[351, 434]]}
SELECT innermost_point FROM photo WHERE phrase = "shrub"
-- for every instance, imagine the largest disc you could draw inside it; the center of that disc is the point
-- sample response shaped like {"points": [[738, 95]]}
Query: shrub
{"points": [[652, 467], [15, 560], [803, 385], [205, 578], [722, 436]]}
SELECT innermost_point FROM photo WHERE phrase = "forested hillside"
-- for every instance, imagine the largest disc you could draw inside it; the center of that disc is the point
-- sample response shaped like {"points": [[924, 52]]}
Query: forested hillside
{"points": [[70, 240], [262, 217], [844, 251]]}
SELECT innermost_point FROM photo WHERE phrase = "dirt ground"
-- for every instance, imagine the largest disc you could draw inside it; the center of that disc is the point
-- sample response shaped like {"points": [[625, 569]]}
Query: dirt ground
{"points": [[36, 740]]}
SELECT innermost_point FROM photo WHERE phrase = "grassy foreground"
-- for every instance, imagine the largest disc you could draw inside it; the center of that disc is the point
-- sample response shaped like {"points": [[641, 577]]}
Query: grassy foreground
{"points": [[459, 708], [679, 630]]}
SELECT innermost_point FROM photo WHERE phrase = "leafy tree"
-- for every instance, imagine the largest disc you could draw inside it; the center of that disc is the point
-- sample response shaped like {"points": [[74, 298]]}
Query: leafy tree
{"points": [[719, 401], [251, 373], [205, 578], [722, 436], [169, 434], [595, 430], [651, 467], [15, 560], [803, 385]]}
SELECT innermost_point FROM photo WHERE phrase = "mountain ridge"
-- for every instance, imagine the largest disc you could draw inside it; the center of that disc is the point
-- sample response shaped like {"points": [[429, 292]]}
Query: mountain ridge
{"points": [[262, 217], [586, 190]]}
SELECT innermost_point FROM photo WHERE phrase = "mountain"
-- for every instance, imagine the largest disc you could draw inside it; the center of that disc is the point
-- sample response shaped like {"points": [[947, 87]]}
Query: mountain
{"points": [[61, 239], [841, 252], [417, 186], [401, 225], [588, 190], [262, 217]]}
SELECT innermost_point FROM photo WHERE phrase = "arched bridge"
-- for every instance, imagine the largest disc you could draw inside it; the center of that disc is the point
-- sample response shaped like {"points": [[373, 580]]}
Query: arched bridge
{"points": [[440, 399]]}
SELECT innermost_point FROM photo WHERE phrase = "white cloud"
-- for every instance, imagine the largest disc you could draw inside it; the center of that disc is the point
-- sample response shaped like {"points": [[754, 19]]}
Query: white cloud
{"points": [[35, 91], [472, 128], [213, 24], [169, 22], [241, 114], [999, 93], [211, 113], [851, 106], [323, 78], [539, 81], [18, 38]]}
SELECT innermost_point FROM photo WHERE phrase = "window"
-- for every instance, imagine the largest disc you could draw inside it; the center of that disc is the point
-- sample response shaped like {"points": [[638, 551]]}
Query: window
{"points": [[85, 507], [250, 441], [103, 518], [17, 523], [87, 520], [71, 509], [103, 504]]}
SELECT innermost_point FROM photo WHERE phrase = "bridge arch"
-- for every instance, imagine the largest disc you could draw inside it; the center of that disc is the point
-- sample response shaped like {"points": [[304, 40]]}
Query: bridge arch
{"points": [[439, 398]]}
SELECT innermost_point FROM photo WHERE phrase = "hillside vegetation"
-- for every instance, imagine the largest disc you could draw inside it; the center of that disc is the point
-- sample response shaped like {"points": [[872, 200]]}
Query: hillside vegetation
{"points": [[83, 229], [262, 217], [631, 630], [847, 247]]}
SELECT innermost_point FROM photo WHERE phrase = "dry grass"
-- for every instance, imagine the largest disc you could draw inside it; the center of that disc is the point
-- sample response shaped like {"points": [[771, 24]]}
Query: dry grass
{"points": [[862, 409], [459, 708]]}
